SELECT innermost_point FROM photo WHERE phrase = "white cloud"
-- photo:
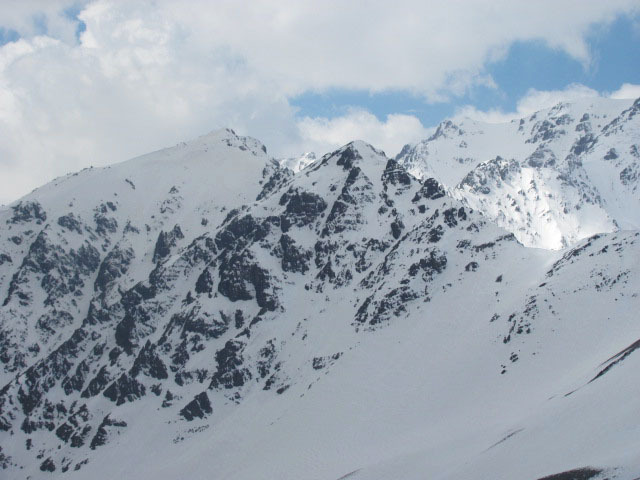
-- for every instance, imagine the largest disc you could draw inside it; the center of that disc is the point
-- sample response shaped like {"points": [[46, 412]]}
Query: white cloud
{"points": [[322, 134], [535, 100], [626, 91], [540, 99], [36, 17], [150, 73]]}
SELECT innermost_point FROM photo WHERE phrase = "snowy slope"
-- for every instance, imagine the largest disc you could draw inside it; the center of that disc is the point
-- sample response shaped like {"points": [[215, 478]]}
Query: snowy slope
{"points": [[553, 178], [295, 164], [344, 321], [53, 240]]}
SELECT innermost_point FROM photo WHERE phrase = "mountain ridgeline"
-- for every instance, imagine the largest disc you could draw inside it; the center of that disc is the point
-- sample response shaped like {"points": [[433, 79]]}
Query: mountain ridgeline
{"points": [[553, 178], [207, 311]]}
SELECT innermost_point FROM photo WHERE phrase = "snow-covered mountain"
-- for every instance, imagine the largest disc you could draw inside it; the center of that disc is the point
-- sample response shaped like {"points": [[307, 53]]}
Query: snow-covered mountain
{"points": [[206, 312], [553, 178], [295, 164]]}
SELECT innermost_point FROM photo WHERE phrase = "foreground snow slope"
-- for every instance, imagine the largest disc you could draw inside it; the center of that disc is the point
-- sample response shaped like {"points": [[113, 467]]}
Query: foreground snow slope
{"points": [[345, 321]]}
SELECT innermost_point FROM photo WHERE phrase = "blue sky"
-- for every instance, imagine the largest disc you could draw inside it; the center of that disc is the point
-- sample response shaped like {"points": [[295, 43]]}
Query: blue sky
{"points": [[8, 35], [615, 50]]}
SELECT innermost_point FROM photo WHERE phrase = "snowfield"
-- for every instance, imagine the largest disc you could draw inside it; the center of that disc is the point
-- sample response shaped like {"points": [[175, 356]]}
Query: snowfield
{"points": [[468, 310]]}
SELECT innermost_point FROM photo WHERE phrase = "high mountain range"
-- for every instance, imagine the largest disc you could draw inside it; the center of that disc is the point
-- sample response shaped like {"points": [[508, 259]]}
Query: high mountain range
{"points": [[466, 310]]}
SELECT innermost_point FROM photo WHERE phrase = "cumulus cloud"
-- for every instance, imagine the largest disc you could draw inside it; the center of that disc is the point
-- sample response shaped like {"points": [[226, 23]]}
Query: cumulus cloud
{"points": [[535, 100], [37, 17], [390, 135], [142, 75], [626, 91]]}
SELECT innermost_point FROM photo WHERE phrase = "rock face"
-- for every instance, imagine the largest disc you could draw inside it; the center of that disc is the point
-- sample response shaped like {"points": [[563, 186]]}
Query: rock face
{"points": [[272, 311], [553, 178], [199, 407]]}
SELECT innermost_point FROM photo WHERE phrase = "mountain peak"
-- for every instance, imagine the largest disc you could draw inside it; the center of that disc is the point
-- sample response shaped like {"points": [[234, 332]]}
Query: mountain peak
{"points": [[228, 137], [572, 169], [364, 148], [221, 133]]}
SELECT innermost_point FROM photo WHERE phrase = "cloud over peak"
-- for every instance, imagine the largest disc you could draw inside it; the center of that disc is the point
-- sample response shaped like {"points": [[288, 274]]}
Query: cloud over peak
{"points": [[95, 82]]}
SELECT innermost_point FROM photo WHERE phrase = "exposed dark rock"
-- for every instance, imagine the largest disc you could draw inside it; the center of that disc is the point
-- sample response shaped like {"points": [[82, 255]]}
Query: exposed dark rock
{"points": [[583, 144], [53, 321], [125, 389], [617, 359], [267, 358], [79, 438], [199, 407], [395, 175], [630, 175], [27, 211], [435, 263], [136, 321], [71, 223], [430, 190], [484, 246], [545, 131], [61, 273], [488, 173], [374, 312], [446, 129], [166, 241], [577, 474], [4, 258], [319, 363], [86, 259], [97, 383], [201, 250], [294, 258], [38, 379], [149, 363], [471, 267], [570, 256], [76, 381], [205, 324], [302, 208], [348, 157], [611, 154], [435, 234], [238, 273], [396, 229], [180, 357], [346, 212], [104, 223], [114, 265], [365, 252], [241, 232], [204, 284], [48, 465], [101, 436], [64, 432], [168, 399], [230, 373], [542, 157], [276, 180]]}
